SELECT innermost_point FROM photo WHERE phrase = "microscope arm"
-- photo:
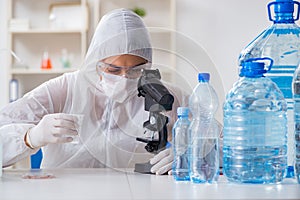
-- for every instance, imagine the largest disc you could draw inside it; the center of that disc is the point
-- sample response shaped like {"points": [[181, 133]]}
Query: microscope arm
{"points": [[157, 99]]}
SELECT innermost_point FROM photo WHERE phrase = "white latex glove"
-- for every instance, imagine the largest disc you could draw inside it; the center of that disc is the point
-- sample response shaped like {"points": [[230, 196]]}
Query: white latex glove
{"points": [[162, 162], [53, 128]]}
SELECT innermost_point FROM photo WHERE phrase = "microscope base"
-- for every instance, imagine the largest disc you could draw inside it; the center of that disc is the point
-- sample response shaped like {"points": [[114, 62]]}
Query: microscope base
{"points": [[144, 168]]}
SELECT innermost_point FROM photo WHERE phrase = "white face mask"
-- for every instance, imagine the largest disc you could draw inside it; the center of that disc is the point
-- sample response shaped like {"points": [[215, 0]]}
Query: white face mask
{"points": [[118, 88]]}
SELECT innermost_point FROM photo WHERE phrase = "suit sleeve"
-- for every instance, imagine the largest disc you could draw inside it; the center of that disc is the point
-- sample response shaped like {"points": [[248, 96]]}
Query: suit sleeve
{"points": [[19, 116]]}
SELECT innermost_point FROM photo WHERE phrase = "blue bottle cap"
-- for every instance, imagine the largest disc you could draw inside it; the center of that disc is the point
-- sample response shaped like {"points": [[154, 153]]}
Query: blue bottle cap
{"points": [[252, 69], [290, 172], [203, 77], [183, 111], [284, 6], [284, 11]]}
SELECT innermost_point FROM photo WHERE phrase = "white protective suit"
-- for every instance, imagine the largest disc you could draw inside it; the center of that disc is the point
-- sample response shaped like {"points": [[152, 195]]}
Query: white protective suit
{"points": [[110, 127]]}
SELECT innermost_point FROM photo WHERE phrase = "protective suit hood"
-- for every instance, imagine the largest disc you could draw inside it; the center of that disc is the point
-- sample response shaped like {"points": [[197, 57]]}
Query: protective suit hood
{"points": [[120, 32]]}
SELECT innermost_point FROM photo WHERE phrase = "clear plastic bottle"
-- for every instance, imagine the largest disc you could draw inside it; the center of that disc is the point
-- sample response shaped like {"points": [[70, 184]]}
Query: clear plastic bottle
{"points": [[13, 90], [203, 132], [180, 167], [296, 93], [280, 42], [255, 127]]}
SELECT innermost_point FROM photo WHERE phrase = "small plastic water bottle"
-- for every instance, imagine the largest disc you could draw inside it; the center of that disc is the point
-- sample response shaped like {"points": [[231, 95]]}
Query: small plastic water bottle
{"points": [[255, 127], [296, 94], [180, 167], [280, 42], [203, 132]]}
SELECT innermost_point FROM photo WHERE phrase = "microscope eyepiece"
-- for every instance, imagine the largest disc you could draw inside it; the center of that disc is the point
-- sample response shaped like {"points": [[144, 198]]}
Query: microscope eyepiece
{"points": [[150, 87]]}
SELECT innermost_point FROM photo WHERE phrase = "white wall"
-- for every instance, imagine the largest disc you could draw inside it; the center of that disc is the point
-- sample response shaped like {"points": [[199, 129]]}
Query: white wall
{"points": [[223, 28]]}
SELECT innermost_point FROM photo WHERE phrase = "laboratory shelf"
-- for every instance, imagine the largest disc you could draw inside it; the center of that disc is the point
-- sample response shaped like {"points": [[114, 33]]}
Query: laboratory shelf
{"points": [[47, 31], [41, 71], [30, 32]]}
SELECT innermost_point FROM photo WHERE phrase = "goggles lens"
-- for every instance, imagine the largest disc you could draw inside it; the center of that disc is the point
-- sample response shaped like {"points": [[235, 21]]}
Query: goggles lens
{"points": [[130, 72]]}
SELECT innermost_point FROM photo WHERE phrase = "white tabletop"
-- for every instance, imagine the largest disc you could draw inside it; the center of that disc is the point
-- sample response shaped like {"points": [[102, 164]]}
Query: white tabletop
{"points": [[112, 184]]}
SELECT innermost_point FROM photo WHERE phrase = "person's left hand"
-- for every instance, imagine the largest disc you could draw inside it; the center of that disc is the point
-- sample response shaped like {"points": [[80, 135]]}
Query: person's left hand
{"points": [[162, 162]]}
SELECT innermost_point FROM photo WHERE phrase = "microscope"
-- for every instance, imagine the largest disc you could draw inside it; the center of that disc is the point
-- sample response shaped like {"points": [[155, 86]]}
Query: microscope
{"points": [[157, 99]]}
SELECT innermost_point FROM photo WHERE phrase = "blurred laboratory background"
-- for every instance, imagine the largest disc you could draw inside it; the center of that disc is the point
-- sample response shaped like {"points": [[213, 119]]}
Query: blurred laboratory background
{"points": [[40, 40]]}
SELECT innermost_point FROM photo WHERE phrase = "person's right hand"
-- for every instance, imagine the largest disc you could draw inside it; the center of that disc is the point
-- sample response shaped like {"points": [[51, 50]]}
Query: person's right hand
{"points": [[53, 128]]}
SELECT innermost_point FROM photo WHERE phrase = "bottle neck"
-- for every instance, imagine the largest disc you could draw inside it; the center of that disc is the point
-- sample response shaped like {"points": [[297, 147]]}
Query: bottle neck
{"points": [[251, 79], [250, 74], [203, 82], [206, 118], [253, 76]]}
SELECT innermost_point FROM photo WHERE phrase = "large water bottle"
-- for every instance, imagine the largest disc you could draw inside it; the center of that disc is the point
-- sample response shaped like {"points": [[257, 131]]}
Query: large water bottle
{"points": [[255, 127], [204, 132], [180, 167], [296, 93], [280, 42]]}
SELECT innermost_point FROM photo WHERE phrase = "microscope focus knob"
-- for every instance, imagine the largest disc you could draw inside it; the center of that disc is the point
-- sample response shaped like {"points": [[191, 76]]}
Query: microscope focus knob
{"points": [[152, 120], [149, 148]]}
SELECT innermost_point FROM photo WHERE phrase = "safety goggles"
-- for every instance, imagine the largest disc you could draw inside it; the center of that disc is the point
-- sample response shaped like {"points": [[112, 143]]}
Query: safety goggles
{"points": [[130, 72]]}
